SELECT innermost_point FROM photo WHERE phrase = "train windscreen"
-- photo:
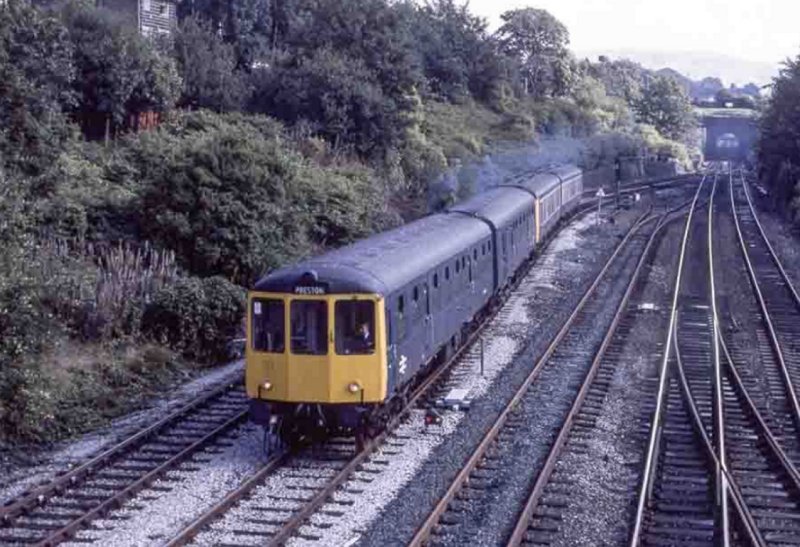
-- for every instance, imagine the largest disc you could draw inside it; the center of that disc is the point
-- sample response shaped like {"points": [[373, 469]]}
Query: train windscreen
{"points": [[309, 324]]}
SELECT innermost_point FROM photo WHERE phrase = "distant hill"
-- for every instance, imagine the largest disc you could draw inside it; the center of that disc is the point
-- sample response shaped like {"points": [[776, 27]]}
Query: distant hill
{"points": [[697, 66]]}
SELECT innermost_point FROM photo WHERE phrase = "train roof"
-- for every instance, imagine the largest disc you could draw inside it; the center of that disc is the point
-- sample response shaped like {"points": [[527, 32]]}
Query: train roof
{"points": [[382, 263], [499, 205], [544, 180], [566, 172], [540, 184]]}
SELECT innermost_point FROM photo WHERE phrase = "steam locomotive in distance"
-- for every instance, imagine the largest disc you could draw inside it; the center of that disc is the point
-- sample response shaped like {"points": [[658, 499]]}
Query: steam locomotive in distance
{"points": [[334, 343]]}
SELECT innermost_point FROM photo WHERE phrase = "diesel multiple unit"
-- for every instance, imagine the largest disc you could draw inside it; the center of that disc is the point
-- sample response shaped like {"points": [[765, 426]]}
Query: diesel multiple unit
{"points": [[335, 342]]}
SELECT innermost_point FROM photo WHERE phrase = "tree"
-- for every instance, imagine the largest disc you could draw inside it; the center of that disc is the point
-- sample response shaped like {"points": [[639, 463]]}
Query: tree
{"points": [[622, 78], [454, 50], [373, 31], [208, 68], [340, 98], [348, 69], [539, 42], [724, 96], [229, 196], [779, 141], [245, 25], [36, 78], [666, 106], [120, 72]]}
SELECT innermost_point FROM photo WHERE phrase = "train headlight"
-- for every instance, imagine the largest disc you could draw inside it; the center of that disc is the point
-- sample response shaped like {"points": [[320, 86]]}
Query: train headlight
{"points": [[354, 387], [266, 386]]}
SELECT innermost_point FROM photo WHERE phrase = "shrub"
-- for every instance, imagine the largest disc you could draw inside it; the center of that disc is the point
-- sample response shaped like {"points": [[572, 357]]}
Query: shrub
{"points": [[197, 317], [72, 388]]}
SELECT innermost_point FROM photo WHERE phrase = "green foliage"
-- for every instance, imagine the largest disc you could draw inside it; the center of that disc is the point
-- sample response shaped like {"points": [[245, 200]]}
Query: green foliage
{"points": [[72, 389], [371, 101], [779, 142], [119, 71], [666, 106], [622, 78], [197, 317], [338, 95], [230, 196], [207, 67], [246, 25], [36, 77], [219, 196], [539, 42], [457, 58]]}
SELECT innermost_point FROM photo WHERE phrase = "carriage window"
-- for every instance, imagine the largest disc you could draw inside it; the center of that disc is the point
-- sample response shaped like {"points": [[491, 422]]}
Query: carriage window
{"points": [[268, 328], [475, 253], [436, 281], [309, 327], [416, 294], [458, 266], [355, 327], [447, 272], [463, 261]]}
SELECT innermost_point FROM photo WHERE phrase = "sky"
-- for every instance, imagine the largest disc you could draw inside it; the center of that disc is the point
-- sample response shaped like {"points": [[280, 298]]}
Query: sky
{"points": [[755, 30]]}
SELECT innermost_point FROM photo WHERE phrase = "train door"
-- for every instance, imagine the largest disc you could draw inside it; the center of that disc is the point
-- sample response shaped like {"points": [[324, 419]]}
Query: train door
{"points": [[471, 273], [391, 350], [426, 302], [504, 255]]}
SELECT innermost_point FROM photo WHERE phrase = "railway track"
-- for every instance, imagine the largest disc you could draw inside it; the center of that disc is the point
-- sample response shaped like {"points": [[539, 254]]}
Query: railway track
{"points": [[716, 473], [563, 476], [778, 301], [55, 511], [683, 494], [232, 522], [567, 360], [762, 424]]}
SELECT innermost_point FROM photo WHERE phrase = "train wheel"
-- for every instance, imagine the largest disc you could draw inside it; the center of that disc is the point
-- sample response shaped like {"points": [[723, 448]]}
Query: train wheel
{"points": [[289, 432]]}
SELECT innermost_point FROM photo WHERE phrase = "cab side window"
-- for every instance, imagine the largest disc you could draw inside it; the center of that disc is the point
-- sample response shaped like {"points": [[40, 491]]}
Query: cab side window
{"points": [[267, 316], [355, 327]]}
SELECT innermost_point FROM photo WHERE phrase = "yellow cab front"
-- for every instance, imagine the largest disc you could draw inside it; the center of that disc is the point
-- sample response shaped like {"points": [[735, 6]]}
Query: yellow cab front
{"points": [[316, 348]]}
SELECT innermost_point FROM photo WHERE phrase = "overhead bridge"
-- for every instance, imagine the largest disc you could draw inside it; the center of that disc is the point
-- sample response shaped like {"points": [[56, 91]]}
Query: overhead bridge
{"points": [[728, 133]]}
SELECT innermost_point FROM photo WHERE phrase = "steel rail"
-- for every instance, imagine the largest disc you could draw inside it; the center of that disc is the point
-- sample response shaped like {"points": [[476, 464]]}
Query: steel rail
{"points": [[772, 441], [116, 501], [773, 254], [767, 318], [287, 529], [655, 429], [697, 424], [719, 410], [534, 498], [424, 531], [206, 519], [39, 495], [219, 509]]}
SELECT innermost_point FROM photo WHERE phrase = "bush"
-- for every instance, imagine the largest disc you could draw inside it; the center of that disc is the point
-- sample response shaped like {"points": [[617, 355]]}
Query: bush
{"points": [[197, 317], [73, 388]]}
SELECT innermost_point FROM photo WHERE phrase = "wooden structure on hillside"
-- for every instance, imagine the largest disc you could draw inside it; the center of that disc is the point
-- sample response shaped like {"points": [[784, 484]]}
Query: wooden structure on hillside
{"points": [[150, 17]]}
